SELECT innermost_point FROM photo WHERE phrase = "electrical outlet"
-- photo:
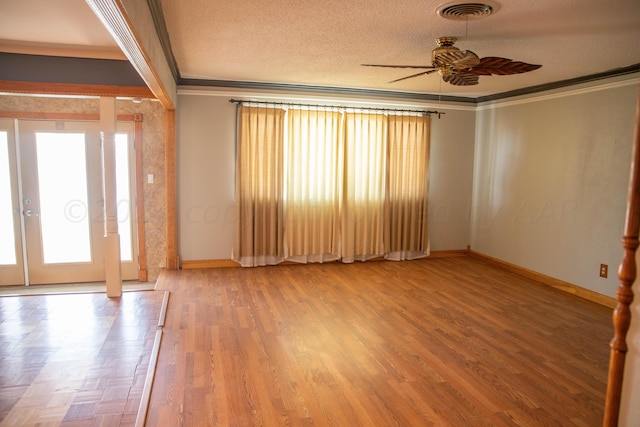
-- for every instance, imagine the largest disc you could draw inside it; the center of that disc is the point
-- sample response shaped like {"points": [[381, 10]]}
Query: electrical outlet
{"points": [[604, 270]]}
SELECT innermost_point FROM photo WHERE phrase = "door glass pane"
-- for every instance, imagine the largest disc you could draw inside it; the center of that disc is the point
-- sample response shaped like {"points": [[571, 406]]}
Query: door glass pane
{"points": [[7, 242], [123, 196], [62, 182]]}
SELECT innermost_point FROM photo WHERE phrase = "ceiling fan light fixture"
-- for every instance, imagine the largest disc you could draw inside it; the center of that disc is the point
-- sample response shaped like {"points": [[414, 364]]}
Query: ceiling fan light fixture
{"points": [[445, 70], [462, 11]]}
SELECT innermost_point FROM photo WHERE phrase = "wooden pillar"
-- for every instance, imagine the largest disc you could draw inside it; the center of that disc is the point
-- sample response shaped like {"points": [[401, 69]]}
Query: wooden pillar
{"points": [[111, 236], [173, 262]]}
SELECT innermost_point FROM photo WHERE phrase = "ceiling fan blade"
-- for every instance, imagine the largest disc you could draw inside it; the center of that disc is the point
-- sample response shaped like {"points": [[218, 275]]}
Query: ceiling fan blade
{"points": [[470, 60], [424, 73], [399, 66], [501, 67], [461, 79], [458, 59]]}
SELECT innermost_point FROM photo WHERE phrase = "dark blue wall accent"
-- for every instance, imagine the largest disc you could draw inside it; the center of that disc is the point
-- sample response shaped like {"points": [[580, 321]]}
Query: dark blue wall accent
{"points": [[57, 69]]}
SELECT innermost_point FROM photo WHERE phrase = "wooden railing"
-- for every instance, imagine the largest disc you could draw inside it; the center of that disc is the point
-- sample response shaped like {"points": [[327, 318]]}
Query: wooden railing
{"points": [[624, 294]]}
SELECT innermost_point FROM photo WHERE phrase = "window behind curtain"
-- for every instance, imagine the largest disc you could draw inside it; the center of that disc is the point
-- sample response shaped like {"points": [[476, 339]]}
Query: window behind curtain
{"points": [[364, 170], [314, 183], [319, 185]]}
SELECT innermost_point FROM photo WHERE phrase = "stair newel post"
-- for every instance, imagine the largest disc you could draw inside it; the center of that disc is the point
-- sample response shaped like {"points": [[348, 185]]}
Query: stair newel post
{"points": [[627, 275]]}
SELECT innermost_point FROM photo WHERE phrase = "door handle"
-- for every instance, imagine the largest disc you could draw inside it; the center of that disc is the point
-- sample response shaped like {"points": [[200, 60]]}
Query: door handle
{"points": [[29, 212]]}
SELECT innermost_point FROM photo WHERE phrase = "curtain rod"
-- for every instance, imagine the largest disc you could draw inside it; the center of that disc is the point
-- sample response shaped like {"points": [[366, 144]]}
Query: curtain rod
{"points": [[289, 104]]}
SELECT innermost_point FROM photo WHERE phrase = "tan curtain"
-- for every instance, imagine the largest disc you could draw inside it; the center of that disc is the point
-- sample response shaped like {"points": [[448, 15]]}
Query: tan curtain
{"points": [[313, 185], [259, 186], [364, 188], [316, 185], [407, 187]]}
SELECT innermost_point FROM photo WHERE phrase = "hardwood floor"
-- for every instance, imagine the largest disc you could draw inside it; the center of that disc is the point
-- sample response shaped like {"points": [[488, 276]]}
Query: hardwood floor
{"points": [[76, 359], [436, 342]]}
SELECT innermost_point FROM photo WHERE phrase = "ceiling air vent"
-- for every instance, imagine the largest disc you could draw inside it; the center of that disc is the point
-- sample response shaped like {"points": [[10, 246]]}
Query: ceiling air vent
{"points": [[462, 11]]}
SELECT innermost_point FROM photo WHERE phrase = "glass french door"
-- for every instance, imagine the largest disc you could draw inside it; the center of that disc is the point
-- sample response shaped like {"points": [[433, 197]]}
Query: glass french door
{"points": [[52, 204], [11, 265]]}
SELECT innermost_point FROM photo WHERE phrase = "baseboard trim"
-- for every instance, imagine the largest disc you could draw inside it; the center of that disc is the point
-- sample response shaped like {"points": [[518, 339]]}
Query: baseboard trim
{"points": [[208, 263], [449, 254], [223, 263], [547, 280]]}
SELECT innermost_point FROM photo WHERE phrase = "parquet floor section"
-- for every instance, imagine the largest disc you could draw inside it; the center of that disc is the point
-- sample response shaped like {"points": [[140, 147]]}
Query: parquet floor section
{"points": [[76, 359], [436, 342]]}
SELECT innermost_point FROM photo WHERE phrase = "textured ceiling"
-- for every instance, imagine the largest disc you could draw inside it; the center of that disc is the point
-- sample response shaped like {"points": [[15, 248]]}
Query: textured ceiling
{"points": [[324, 43]]}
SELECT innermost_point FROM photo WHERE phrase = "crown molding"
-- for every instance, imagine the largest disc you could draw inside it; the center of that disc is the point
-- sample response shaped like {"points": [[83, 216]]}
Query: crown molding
{"points": [[560, 93], [590, 78], [330, 98], [155, 8], [623, 72], [326, 90]]}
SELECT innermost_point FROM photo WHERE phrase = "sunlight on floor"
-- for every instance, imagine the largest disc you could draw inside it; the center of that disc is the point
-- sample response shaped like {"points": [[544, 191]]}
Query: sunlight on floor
{"points": [[73, 288]]}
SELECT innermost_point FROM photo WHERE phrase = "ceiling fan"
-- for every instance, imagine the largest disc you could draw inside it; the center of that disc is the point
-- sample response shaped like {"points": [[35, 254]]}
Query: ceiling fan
{"points": [[462, 67]]}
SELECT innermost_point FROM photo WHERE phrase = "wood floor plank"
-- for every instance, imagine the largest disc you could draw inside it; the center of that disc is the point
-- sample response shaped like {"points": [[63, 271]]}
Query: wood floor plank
{"points": [[442, 342], [75, 359]]}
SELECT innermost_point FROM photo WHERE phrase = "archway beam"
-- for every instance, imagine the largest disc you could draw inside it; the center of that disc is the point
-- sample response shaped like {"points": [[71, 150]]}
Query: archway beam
{"points": [[130, 22]]}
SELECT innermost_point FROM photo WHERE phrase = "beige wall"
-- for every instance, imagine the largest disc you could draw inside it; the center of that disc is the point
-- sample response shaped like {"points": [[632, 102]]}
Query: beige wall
{"points": [[206, 170], [206, 177], [550, 182], [153, 162]]}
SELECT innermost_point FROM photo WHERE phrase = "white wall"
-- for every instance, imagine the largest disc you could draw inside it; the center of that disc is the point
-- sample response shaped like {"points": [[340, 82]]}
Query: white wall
{"points": [[206, 156], [550, 182]]}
